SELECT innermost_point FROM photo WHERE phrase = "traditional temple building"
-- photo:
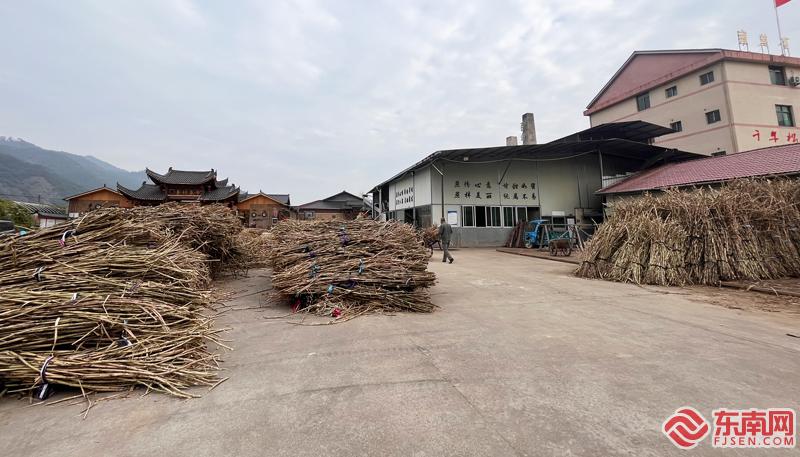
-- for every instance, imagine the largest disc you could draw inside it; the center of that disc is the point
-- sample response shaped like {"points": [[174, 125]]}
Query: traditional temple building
{"points": [[189, 187], [200, 187]]}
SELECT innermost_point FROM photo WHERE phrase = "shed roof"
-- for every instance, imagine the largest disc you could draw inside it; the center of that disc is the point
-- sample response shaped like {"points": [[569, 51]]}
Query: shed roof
{"points": [[637, 130], [280, 198], [772, 161], [92, 191], [44, 210], [548, 152], [344, 200]]}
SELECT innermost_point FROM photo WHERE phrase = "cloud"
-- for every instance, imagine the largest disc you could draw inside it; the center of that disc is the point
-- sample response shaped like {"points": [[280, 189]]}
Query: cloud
{"points": [[310, 97]]}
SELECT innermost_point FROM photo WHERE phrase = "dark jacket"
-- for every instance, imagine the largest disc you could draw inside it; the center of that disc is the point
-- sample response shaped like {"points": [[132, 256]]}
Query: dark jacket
{"points": [[445, 232]]}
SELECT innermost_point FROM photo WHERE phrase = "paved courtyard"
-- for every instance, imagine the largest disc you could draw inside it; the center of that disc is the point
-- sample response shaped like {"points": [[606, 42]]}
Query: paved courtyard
{"points": [[521, 359]]}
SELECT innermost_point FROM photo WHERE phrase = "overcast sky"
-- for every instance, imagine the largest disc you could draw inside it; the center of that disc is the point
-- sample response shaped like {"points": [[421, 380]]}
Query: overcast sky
{"points": [[311, 97]]}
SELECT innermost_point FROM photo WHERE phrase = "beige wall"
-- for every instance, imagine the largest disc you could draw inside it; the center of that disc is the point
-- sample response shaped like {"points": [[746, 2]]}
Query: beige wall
{"points": [[753, 99], [751, 107]]}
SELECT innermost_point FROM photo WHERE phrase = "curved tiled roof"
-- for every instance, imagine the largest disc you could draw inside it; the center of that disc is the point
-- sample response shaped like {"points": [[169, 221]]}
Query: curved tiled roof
{"points": [[774, 161], [182, 177], [220, 193], [150, 192]]}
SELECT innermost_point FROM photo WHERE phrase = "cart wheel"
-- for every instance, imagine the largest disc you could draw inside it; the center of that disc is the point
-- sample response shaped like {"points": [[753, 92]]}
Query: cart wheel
{"points": [[528, 244]]}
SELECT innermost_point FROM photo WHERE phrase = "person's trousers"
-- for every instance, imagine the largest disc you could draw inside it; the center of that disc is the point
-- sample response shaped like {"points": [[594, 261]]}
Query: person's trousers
{"points": [[446, 249]]}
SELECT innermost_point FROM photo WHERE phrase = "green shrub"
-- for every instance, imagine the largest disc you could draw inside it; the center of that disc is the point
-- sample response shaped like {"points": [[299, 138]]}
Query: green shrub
{"points": [[10, 211]]}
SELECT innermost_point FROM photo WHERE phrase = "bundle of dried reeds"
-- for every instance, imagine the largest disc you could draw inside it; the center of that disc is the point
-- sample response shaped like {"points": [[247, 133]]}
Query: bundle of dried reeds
{"points": [[747, 229], [350, 268], [114, 299], [430, 235]]}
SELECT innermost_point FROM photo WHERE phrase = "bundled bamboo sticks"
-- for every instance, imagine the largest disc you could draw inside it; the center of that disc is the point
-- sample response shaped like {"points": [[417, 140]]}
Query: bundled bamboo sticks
{"points": [[747, 229], [350, 268], [116, 298]]}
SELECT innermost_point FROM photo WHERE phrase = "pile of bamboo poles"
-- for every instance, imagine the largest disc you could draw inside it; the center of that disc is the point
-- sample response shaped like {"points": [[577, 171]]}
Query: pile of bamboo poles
{"points": [[430, 235], [745, 230], [344, 269], [115, 299]]}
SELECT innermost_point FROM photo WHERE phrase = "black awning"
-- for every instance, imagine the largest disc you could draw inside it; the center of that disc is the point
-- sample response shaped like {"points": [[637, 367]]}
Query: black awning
{"points": [[629, 130]]}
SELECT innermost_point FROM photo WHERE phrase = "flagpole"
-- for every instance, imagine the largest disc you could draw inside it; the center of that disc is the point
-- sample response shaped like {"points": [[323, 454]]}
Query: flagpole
{"points": [[778, 21]]}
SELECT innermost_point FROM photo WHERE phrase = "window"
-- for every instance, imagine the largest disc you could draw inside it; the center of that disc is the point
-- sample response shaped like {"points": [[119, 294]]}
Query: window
{"points": [[785, 117], [777, 76], [643, 101], [508, 216], [310, 215], [522, 215], [672, 91], [480, 216], [493, 216], [707, 78], [468, 216], [713, 116], [677, 126], [718, 153]]}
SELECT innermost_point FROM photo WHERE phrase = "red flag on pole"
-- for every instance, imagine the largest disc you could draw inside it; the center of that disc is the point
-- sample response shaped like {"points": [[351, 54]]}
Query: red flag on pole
{"points": [[781, 2]]}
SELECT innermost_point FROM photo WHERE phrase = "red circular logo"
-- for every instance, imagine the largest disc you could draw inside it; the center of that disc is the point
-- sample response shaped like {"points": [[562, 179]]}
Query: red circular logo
{"points": [[686, 428]]}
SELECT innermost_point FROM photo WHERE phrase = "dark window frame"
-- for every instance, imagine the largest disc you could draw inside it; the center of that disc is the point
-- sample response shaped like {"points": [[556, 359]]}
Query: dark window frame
{"points": [[508, 221], [711, 118], [677, 126], [494, 216], [785, 115], [777, 75], [671, 91], [471, 221], [707, 78], [643, 101]]}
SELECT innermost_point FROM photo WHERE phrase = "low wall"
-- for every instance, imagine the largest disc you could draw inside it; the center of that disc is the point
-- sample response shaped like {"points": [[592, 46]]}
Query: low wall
{"points": [[473, 237]]}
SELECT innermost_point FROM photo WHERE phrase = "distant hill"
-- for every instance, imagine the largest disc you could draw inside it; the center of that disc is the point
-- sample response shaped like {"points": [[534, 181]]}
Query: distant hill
{"points": [[31, 173]]}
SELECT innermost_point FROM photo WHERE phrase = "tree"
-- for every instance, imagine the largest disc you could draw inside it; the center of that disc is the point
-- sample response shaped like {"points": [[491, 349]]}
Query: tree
{"points": [[10, 211]]}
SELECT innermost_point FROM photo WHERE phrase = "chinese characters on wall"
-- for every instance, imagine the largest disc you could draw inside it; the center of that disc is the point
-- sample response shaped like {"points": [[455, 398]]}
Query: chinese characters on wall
{"points": [[480, 190], [404, 196], [775, 136]]}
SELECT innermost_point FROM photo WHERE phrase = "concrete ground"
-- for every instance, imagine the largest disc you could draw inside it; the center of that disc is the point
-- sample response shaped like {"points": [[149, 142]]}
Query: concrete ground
{"points": [[521, 359]]}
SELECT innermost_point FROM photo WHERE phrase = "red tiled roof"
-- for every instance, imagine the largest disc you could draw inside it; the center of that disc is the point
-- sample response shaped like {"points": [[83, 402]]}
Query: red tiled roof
{"points": [[777, 160], [645, 70]]}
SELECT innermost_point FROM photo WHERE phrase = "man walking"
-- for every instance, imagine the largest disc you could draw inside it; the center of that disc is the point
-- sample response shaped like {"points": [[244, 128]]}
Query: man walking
{"points": [[445, 233]]}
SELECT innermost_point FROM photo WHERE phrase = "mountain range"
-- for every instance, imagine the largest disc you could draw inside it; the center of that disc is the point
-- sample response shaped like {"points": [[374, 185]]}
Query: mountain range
{"points": [[31, 173]]}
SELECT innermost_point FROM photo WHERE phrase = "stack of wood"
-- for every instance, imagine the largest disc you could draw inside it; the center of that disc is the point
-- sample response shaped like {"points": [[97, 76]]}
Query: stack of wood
{"points": [[430, 235], [747, 229], [114, 299], [517, 237], [345, 269]]}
